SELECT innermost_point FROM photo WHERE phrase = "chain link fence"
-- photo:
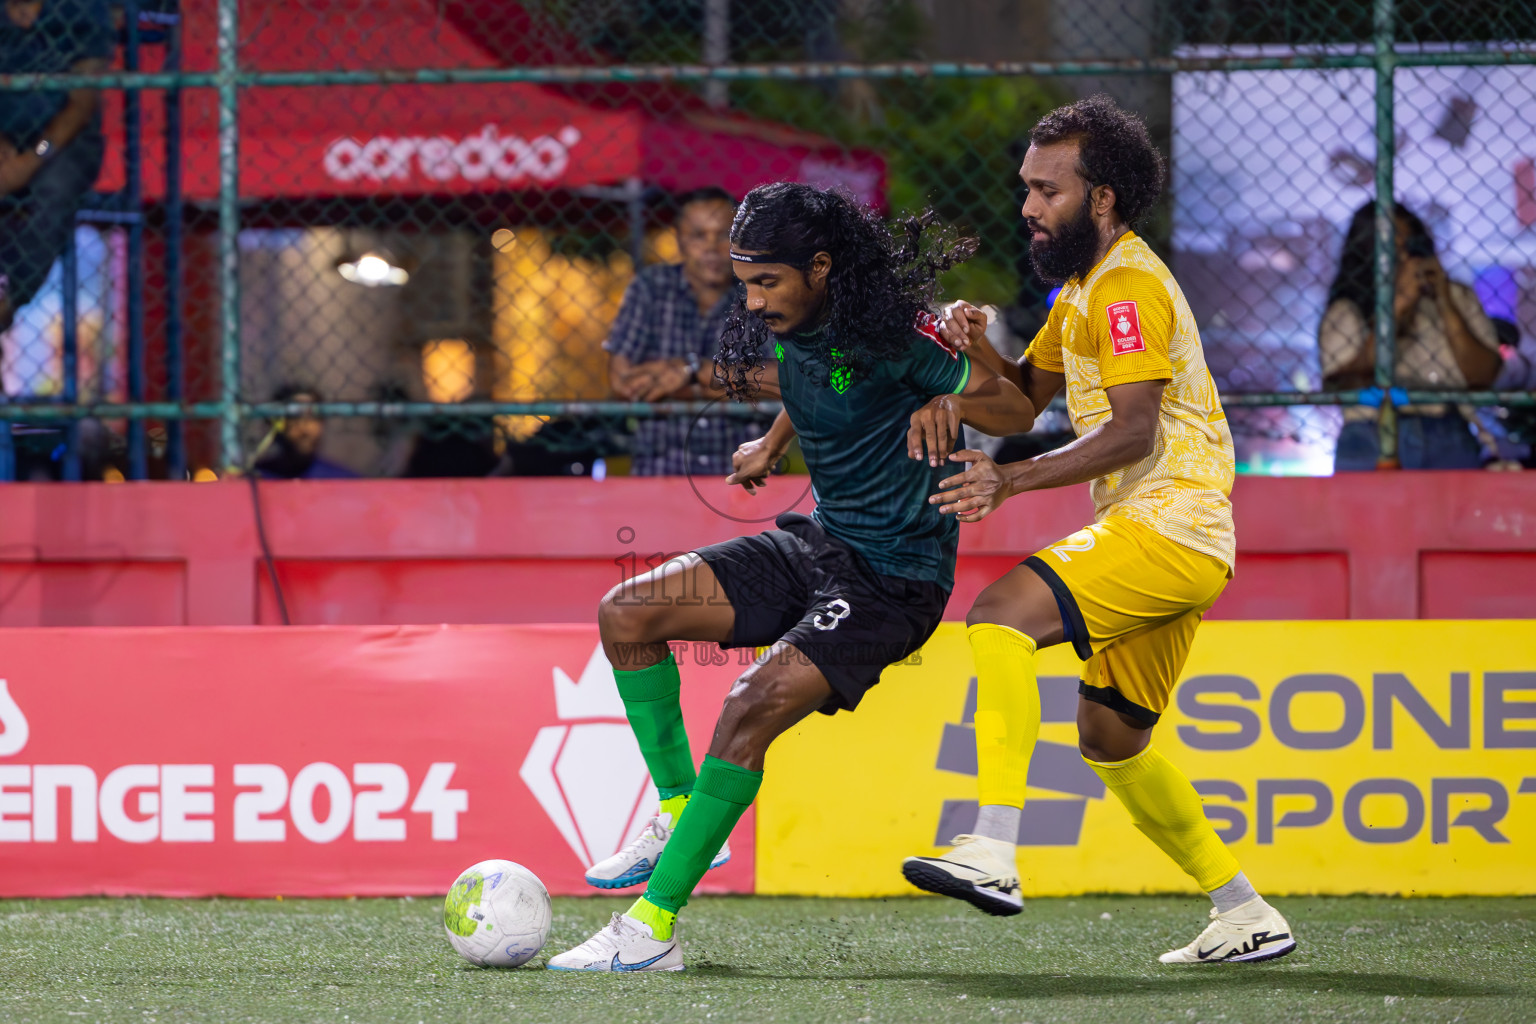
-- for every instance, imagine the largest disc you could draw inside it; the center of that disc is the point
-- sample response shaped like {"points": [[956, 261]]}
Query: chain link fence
{"points": [[420, 218]]}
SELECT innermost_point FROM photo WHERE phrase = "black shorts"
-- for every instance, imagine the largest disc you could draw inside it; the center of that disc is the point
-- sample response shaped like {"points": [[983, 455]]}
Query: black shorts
{"points": [[802, 586]]}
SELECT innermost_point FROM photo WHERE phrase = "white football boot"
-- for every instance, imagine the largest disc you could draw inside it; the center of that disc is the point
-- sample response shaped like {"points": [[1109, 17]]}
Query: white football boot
{"points": [[624, 945], [634, 863], [1249, 933], [979, 870]]}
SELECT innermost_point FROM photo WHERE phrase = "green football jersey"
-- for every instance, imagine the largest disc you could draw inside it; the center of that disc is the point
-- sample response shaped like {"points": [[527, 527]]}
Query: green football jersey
{"points": [[853, 431]]}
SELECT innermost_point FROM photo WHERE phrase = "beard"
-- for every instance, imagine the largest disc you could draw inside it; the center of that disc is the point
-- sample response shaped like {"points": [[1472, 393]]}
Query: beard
{"points": [[1069, 252]]}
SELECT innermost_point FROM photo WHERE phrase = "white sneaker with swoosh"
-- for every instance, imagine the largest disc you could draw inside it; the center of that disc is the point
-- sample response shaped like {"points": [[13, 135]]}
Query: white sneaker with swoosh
{"points": [[979, 870], [1252, 932], [624, 945], [634, 864]]}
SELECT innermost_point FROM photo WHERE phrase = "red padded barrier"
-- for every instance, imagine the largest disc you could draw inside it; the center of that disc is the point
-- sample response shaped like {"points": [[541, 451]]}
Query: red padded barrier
{"points": [[1372, 545]]}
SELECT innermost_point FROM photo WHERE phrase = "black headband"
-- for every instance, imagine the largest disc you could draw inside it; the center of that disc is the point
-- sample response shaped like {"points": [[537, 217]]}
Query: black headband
{"points": [[793, 259]]}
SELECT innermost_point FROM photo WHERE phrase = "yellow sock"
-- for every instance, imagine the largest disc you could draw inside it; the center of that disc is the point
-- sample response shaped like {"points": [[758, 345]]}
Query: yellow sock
{"points": [[674, 805], [1167, 810], [1007, 712], [661, 921]]}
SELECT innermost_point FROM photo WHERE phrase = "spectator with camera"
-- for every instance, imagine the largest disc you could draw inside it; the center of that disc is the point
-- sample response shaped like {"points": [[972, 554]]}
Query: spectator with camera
{"points": [[1444, 341], [294, 448]]}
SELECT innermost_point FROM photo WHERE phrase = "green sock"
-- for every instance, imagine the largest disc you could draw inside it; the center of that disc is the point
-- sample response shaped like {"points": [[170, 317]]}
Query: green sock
{"points": [[674, 805], [656, 715], [720, 797]]}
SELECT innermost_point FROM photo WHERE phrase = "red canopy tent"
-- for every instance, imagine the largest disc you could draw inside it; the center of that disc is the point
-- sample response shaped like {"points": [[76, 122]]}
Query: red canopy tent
{"points": [[305, 142]]}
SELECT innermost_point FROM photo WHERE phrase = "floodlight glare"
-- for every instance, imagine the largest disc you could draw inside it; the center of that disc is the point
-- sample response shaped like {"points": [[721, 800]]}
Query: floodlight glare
{"points": [[373, 270]]}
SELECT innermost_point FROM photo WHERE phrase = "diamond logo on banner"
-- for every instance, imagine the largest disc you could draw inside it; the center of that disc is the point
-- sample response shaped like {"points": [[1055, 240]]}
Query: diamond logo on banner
{"points": [[587, 772]]}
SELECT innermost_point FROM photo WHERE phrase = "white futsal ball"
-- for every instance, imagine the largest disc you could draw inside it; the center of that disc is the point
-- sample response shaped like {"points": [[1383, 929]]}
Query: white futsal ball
{"points": [[497, 914]]}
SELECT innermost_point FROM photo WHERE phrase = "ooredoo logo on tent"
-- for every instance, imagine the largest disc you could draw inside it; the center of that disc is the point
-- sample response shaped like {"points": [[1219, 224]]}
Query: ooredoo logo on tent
{"points": [[486, 154]]}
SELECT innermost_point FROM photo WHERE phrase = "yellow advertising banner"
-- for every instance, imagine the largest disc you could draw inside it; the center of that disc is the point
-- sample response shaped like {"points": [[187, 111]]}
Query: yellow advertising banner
{"points": [[1333, 757]]}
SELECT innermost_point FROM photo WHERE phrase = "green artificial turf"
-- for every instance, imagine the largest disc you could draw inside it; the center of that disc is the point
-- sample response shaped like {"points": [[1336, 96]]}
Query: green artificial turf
{"points": [[764, 959]]}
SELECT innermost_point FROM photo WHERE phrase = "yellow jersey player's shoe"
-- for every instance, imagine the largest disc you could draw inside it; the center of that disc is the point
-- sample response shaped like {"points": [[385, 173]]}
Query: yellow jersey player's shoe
{"points": [[979, 870], [1249, 933], [624, 945]]}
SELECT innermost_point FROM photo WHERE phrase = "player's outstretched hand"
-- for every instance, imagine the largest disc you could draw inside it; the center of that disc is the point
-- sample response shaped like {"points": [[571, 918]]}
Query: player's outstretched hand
{"points": [[974, 494], [960, 324], [936, 425], [751, 463]]}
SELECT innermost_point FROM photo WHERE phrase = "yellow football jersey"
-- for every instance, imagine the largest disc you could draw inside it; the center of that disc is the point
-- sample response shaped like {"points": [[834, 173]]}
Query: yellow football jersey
{"points": [[1126, 320]]}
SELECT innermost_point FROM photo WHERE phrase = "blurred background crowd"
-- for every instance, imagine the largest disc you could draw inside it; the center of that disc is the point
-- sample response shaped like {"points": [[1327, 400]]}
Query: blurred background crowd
{"points": [[525, 273]]}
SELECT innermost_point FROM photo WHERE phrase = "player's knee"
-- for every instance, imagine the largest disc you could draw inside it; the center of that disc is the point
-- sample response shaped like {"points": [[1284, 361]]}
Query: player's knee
{"points": [[753, 700], [1107, 748], [1093, 748], [990, 606], [755, 712], [1105, 736], [623, 617]]}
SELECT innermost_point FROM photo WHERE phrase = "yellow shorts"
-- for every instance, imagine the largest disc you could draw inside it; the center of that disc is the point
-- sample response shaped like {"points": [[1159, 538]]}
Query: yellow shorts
{"points": [[1131, 600]]}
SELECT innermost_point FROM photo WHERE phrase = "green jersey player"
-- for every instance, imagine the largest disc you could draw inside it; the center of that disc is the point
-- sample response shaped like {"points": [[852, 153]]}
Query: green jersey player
{"points": [[834, 320]]}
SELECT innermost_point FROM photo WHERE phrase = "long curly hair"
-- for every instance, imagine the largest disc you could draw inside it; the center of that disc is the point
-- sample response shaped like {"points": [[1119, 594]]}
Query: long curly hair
{"points": [[882, 277], [1355, 281], [1115, 150]]}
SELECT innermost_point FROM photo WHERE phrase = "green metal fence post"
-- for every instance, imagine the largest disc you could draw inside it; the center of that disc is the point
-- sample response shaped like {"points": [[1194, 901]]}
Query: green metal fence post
{"points": [[1386, 246], [229, 228]]}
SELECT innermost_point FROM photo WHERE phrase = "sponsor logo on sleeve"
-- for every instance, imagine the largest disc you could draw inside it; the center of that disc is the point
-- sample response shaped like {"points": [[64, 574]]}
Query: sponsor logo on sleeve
{"points": [[1125, 328]]}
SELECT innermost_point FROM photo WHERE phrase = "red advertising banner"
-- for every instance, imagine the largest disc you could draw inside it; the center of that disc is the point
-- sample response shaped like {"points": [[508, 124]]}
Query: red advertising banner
{"points": [[324, 761]]}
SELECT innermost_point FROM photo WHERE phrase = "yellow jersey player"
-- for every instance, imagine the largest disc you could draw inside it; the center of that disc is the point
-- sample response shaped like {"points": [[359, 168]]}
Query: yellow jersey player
{"points": [[1128, 591]]}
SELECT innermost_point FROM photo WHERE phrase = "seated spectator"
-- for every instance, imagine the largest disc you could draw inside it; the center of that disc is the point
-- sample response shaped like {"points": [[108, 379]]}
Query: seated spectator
{"points": [[663, 342], [1506, 434], [1518, 372], [294, 453], [1444, 341], [455, 446], [50, 140]]}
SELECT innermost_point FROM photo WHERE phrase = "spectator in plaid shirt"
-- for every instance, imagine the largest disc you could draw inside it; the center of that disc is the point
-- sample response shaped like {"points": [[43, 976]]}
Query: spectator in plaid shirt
{"points": [[662, 345]]}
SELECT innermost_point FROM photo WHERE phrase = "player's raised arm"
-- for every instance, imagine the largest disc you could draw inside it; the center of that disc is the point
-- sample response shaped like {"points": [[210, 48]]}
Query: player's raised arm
{"points": [[960, 390], [987, 402], [964, 328], [1126, 438]]}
